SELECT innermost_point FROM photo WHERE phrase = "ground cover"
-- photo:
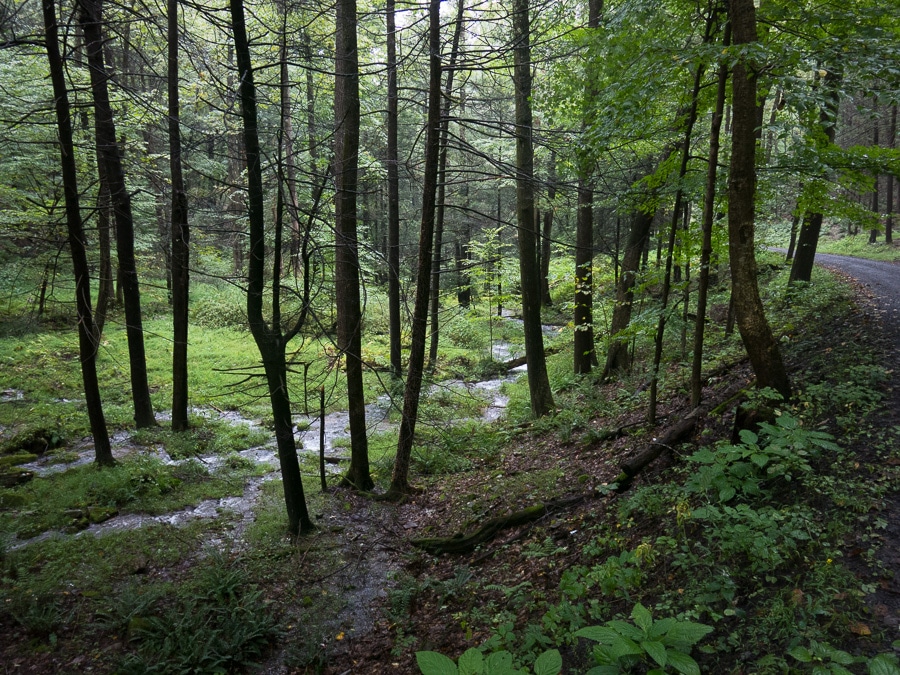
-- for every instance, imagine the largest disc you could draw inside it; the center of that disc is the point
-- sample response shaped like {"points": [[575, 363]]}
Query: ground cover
{"points": [[770, 541]]}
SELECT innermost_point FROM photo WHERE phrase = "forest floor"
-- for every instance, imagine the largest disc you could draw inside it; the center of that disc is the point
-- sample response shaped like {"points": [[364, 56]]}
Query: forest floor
{"points": [[431, 599], [360, 597]]}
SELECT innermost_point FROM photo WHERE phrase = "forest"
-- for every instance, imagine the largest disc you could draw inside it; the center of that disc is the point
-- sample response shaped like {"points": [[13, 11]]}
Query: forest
{"points": [[476, 336]]}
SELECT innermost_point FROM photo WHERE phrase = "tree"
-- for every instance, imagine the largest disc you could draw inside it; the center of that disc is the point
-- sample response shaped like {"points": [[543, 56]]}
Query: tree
{"points": [[584, 246], [269, 339], [180, 236], [346, 162], [88, 335], [765, 356], [709, 205], [442, 189], [529, 270], [400, 487], [393, 189], [91, 19]]}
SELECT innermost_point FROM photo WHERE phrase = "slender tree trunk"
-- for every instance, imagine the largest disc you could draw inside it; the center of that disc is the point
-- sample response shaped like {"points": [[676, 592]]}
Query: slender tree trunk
{"points": [[673, 229], [547, 235], [106, 293], [347, 296], [889, 206], [269, 340], [583, 319], [583, 347], [87, 333], [400, 478], [442, 190], [765, 356], [811, 224], [876, 202], [529, 274], [90, 16], [618, 357], [709, 205], [180, 238], [393, 224]]}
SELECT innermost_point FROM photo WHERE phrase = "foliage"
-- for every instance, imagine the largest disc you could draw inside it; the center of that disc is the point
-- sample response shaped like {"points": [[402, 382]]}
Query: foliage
{"points": [[472, 662], [665, 642]]}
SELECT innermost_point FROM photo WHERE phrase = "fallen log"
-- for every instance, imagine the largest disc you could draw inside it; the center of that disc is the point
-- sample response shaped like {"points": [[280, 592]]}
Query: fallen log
{"points": [[466, 543], [675, 434]]}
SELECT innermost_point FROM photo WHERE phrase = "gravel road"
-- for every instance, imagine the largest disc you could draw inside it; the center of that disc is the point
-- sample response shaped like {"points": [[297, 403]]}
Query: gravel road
{"points": [[881, 280]]}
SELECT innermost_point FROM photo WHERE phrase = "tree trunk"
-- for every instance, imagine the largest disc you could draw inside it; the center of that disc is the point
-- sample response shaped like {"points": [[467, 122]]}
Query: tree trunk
{"points": [[442, 190], [180, 238], [583, 319], [673, 228], [811, 224], [546, 236], [400, 487], [583, 347], [529, 274], [889, 206], [90, 17], [709, 205], [87, 334], [347, 297], [618, 358], [269, 341], [876, 202], [393, 225], [765, 356]]}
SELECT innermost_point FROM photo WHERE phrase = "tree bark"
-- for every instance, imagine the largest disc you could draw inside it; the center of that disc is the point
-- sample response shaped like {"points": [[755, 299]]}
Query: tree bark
{"points": [[180, 238], [442, 190], [91, 18], [618, 359], [889, 206], [393, 225], [583, 346], [876, 202], [709, 205], [87, 334], [765, 356], [400, 487], [269, 340], [529, 274], [583, 319], [811, 224], [673, 228], [547, 234], [347, 296]]}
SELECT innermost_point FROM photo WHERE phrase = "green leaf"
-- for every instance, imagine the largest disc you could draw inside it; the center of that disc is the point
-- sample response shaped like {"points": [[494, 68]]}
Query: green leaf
{"points": [[683, 663], [642, 617], [662, 627], [686, 633], [604, 670], [656, 650], [884, 664], [726, 493], [499, 663], [548, 663], [759, 459], [433, 663], [801, 653], [625, 629], [471, 663]]}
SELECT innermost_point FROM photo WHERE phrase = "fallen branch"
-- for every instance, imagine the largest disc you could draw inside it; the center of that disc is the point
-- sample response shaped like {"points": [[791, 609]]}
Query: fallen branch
{"points": [[675, 434], [465, 543]]}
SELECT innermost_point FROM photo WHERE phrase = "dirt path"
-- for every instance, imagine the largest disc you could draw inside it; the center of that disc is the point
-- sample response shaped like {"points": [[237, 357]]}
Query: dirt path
{"points": [[880, 286]]}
